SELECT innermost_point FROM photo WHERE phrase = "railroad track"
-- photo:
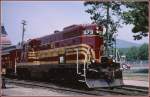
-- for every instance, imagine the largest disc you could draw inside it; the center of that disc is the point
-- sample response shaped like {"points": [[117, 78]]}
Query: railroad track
{"points": [[124, 90], [128, 90], [135, 88], [47, 85]]}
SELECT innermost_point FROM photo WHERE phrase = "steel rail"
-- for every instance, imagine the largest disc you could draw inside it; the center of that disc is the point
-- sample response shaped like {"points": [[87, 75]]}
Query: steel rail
{"points": [[138, 89], [125, 90], [43, 85]]}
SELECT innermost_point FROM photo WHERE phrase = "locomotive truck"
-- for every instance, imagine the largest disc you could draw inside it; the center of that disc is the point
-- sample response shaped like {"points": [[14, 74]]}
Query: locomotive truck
{"points": [[74, 54]]}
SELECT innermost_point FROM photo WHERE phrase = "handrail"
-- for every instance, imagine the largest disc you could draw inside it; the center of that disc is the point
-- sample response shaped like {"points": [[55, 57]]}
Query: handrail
{"points": [[85, 62], [77, 60]]}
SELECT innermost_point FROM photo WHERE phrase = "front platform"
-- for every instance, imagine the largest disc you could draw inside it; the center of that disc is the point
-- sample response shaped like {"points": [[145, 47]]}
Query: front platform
{"points": [[96, 83]]}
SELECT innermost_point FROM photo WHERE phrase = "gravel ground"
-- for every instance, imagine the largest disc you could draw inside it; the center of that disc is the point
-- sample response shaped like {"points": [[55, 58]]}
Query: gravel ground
{"points": [[136, 76], [15, 90], [136, 83], [136, 79]]}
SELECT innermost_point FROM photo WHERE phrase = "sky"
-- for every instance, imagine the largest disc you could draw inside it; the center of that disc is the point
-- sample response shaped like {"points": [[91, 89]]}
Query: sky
{"points": [[44, 17]]}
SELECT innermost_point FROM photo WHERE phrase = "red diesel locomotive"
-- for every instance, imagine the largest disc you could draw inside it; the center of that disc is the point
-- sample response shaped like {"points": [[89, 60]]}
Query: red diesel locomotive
{"points": [[74, 54]]}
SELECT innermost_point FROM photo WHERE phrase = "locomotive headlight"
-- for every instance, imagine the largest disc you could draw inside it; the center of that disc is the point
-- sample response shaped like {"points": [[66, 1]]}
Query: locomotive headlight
{"points": [[98, 31], [93, 61]]}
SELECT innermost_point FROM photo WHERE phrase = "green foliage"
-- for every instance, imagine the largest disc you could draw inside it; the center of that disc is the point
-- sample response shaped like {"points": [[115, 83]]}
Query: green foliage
{"points": [[143, 52], [135, 53], [135, 13], [123, 51], [103, 13], [98, 13], [132, 53]]}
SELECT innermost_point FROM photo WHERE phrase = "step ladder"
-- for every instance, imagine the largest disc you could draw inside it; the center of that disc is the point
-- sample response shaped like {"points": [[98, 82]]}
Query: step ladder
{"points": [[82, 72]]}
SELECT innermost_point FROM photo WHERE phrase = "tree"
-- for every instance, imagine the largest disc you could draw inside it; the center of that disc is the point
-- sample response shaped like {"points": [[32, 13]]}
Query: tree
{"points": [[135, 13], [102, 13], [123, 51], [132, 53], [143, 52], [99, 14], [135, 53]]}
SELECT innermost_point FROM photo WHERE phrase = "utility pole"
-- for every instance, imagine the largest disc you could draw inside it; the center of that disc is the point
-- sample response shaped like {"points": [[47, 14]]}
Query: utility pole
{"points": [[23, 30], [107, 33]]}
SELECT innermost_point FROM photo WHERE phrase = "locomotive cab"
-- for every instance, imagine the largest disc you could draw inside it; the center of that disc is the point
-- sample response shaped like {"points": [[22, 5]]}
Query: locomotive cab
{"points": [[101, 70]]}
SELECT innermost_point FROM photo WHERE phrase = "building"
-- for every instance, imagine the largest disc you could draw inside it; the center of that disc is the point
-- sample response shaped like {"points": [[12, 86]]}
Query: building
{"points": [[4, 40]]}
